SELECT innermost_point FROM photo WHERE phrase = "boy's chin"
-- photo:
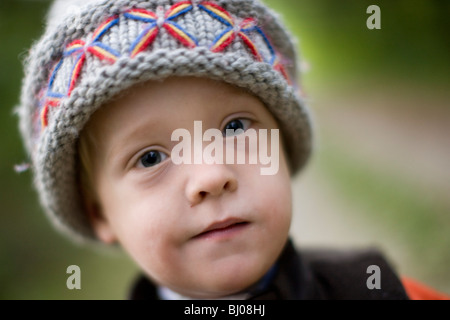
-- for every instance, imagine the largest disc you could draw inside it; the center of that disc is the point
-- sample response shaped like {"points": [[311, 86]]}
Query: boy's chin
{"points": [[216, 292], [229, 282]]}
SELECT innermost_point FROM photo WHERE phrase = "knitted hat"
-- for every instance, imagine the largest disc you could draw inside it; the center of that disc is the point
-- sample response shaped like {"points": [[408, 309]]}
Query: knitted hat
{"points": [[91, 52]]}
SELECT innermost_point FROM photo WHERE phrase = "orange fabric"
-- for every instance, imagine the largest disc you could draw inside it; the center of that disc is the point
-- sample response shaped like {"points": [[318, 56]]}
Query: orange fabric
{"points": [[418, 291]]}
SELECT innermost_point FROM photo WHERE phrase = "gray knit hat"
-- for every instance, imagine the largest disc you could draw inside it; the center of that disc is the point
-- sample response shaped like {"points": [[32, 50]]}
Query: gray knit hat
{"points": [[92, 51]]}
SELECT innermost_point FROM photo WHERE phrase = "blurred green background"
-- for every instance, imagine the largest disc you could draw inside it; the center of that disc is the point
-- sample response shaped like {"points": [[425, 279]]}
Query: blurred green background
{"points": [[379, 176]]}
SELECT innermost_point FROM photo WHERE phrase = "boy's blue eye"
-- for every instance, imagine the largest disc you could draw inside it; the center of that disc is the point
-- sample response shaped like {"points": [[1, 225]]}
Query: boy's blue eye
{"points": [[152, 158], [236, 124]]}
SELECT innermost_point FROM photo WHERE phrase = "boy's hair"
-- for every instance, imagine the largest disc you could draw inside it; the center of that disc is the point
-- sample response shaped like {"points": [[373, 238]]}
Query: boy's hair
{"points": [[85, 155], [89, 55]]}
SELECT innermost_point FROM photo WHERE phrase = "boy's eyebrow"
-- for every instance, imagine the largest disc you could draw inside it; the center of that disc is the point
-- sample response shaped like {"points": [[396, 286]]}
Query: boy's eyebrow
{"points": [[131, 141]]}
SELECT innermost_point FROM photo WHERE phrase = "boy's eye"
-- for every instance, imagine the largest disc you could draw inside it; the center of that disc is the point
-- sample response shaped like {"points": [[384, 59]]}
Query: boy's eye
{"points": [[236, 124], [152, 158]]}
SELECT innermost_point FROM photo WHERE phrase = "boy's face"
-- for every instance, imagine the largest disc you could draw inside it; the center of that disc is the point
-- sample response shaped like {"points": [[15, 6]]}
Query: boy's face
{"points": [[161, 212]]}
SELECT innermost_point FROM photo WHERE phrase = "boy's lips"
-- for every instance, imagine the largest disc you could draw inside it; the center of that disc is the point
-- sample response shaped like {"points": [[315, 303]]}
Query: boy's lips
{"points": [[220, 229]]}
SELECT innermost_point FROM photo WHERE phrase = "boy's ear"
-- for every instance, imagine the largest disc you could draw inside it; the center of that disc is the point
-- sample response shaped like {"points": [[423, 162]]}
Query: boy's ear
{"points": [[99, 223]]}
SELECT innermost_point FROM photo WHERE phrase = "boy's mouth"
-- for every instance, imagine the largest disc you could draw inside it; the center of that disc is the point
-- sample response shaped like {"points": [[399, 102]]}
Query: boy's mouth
{"points": [[222, 229]]}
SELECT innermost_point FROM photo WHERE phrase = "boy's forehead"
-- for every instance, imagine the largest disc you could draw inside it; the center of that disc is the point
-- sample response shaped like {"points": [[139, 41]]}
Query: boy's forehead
{"points": [[178, 92], [162, 104], [204, 85]]}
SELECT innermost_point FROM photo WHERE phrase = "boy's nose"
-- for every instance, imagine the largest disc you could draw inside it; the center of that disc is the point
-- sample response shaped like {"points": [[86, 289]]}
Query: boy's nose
{"points": [[209, 180]]}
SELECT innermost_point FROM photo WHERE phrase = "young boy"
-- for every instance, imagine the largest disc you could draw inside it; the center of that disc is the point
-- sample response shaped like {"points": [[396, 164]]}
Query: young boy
{"points": [[108, 89]]}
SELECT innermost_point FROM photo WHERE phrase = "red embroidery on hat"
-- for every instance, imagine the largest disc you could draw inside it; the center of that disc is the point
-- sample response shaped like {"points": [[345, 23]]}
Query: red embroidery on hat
{"points": [[243, 30], [98, 49], [150, 32]]}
